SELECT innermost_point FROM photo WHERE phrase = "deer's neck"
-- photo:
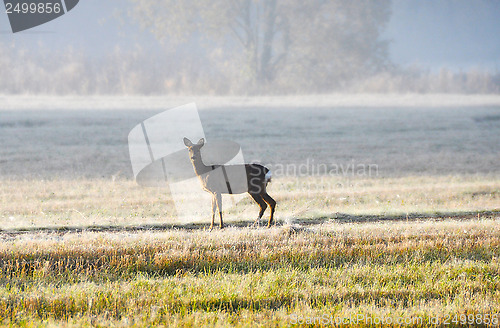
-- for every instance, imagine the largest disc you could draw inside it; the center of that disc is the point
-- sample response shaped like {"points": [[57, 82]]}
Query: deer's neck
{"points": [[199, 167]]}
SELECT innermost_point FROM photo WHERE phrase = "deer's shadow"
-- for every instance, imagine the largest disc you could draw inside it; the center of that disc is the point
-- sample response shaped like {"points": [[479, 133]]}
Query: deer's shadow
{"points": [[340, 218]]}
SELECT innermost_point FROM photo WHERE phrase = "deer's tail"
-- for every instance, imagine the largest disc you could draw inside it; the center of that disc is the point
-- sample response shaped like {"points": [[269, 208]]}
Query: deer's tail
{"points": [[268, 177]]}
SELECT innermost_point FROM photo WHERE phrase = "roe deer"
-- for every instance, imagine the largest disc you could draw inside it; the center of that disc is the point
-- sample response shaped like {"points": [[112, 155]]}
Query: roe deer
{"points": [[212, 181]]}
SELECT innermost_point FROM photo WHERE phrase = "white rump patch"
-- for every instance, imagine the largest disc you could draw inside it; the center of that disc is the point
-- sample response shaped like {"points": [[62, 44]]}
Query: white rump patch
{"points": [[268, 176]]}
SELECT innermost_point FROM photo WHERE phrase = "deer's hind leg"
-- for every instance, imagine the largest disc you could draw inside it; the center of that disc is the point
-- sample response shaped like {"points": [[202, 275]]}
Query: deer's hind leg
{"points": [[262, 204], [272, 204]]}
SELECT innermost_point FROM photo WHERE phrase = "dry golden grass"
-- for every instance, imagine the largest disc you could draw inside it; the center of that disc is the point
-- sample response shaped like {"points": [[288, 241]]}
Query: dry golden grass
{"points": [[252, 277], [343, 252], [80, 203]]}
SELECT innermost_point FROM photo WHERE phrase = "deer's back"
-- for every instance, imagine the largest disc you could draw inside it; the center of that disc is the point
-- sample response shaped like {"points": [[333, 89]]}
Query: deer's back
{"points": [[236, 179]]}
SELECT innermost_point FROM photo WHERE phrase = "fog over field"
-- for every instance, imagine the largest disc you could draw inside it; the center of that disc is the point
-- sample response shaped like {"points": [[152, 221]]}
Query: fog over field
{"points": [[256, 47], [399, 140]]}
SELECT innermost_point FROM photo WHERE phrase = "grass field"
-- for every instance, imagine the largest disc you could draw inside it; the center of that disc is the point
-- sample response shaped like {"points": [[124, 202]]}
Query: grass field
{"points": [[102, 252], [416, 243], [121, 203]]}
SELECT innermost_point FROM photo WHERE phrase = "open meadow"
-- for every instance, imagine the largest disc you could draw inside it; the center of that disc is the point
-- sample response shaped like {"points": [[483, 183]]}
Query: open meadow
{"points": [[414, 242], [96, 252]]}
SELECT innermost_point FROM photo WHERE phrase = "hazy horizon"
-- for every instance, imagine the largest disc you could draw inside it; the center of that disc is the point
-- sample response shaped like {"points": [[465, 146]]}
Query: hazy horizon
{"points": [[132, 47], [457, 35]]}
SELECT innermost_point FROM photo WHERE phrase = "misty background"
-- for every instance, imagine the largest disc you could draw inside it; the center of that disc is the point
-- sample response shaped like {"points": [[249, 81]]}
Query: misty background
{"points": [[257, 47]]}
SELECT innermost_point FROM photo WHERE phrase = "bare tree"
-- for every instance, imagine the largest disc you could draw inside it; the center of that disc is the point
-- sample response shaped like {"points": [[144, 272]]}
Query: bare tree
{"points": [[318, 43]]}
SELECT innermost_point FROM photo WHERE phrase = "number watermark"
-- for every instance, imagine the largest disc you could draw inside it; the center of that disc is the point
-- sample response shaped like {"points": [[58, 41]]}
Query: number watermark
{"points": [[25, 14], [32, 8]]}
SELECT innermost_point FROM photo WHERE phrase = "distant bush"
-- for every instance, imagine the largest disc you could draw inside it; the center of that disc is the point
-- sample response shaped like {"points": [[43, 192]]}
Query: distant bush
{"points": [[422, 81], [137, 72]]}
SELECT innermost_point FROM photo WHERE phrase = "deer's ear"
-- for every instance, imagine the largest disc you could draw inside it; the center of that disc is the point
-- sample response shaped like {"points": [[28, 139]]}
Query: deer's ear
{"points": [[188, 142], [201, 142]]}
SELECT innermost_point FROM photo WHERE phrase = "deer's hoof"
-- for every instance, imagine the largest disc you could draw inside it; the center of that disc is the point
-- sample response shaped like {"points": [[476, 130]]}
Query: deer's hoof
{"points": [[211, 228], [222, 226]]}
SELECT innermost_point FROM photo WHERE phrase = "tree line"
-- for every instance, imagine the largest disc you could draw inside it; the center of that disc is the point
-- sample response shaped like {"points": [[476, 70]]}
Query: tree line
{"points": [[241, 47]]}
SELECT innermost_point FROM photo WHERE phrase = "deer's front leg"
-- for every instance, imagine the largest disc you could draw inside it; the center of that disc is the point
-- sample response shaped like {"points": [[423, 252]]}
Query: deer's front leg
{"points": [[219, 206], [214, 207]]}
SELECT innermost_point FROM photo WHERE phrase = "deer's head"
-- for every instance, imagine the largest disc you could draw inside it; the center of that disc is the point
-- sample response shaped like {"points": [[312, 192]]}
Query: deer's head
{"points": [[194, 149]]}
